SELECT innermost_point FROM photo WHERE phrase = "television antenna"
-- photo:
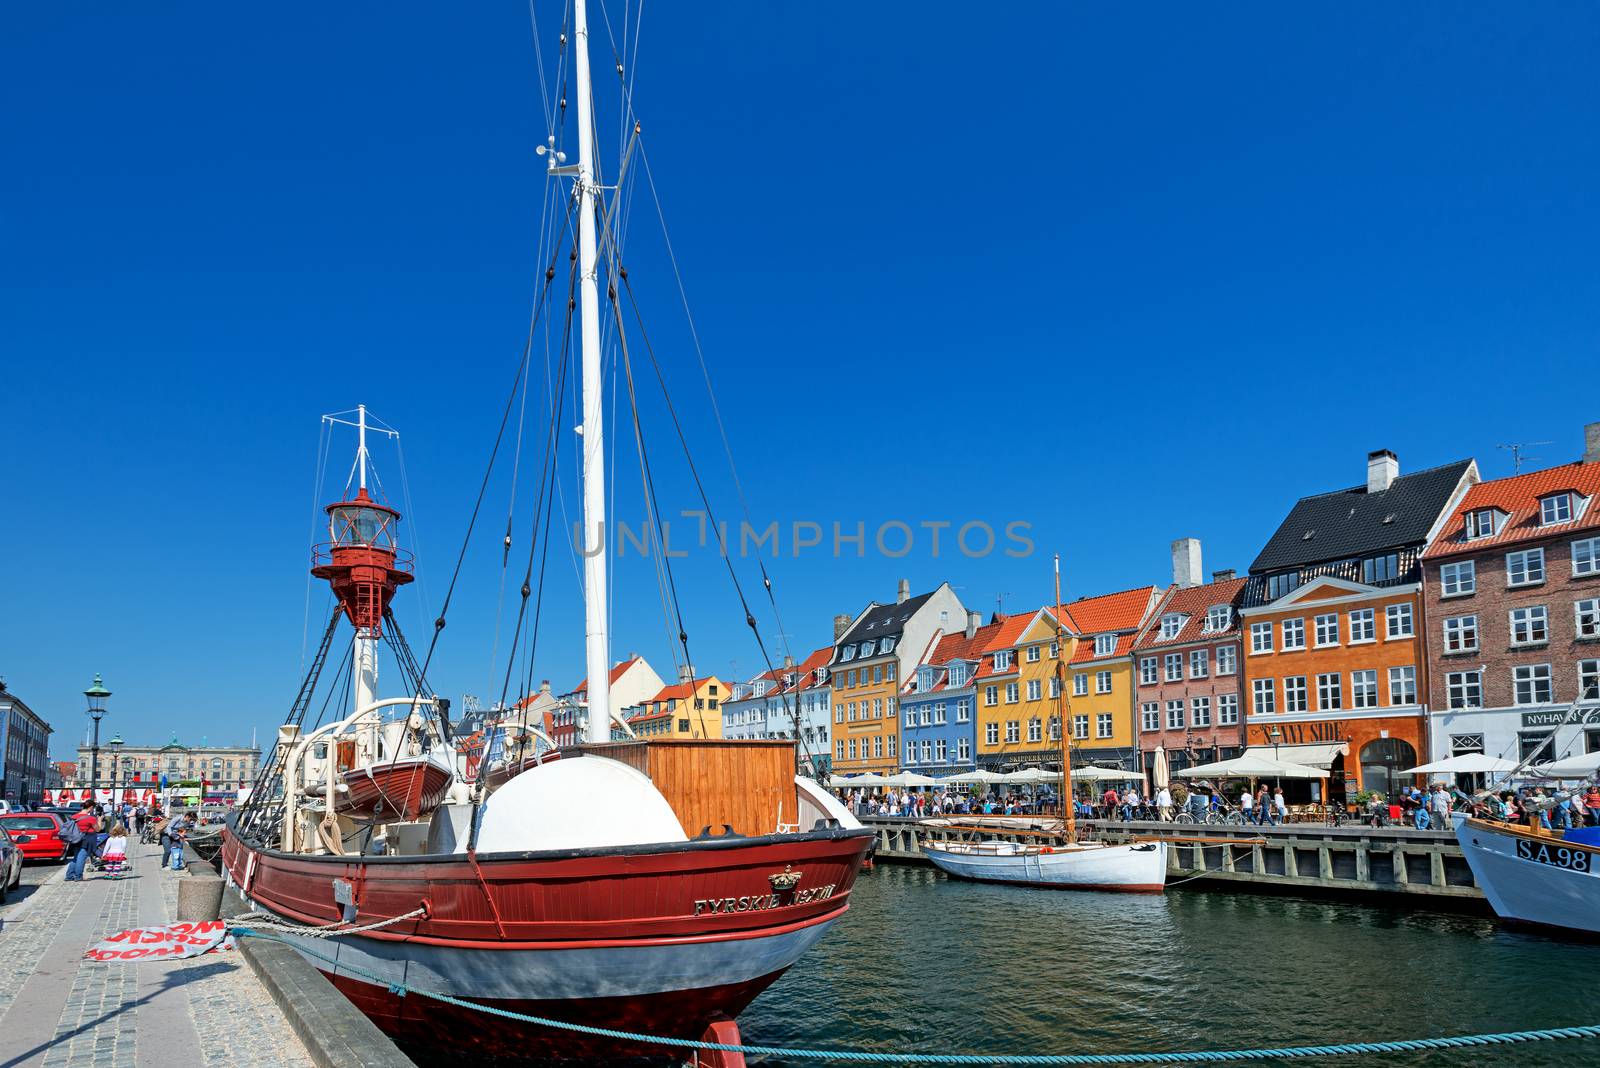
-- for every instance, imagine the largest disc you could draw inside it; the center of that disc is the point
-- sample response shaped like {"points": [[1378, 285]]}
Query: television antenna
{"points": [[1516, 449]]}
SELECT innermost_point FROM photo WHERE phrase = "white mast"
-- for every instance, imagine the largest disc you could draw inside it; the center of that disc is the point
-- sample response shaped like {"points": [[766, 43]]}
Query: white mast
{"points": [[597, 641], [364, 653], [361, 442]]}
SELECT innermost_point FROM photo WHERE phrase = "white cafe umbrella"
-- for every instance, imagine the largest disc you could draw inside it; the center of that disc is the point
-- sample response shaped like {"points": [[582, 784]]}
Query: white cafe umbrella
{"points": [[1252, 766], [850, 781], [1466, 763], [1028, 776], [1091, 773], [976, 775], [1573, 767], [910, 778], [1162, 779]]}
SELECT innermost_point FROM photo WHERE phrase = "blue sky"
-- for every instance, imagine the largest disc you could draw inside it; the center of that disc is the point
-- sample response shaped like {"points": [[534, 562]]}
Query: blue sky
{"points": [[1122, 273]]}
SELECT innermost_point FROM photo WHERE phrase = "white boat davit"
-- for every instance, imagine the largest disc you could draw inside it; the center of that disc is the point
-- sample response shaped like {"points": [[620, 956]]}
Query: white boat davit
{"points": [[1136, 867], [1533, 876]]}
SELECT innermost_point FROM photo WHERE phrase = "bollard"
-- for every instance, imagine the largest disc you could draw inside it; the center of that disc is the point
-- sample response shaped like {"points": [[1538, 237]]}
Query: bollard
{"points": [[199, 898]]}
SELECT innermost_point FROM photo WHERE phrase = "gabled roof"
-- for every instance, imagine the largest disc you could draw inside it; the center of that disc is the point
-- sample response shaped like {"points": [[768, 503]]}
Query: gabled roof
{"points": [[1518, 497], [806, 672], [1194, 602], [1352, 522], [1124, 610], [617, 671], [680, 690], [884, 620], [1083, 652], [949, 648]]}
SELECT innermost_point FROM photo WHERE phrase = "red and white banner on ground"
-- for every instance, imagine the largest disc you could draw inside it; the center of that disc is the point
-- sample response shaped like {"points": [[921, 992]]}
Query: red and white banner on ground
{"points": [[172, 942]]}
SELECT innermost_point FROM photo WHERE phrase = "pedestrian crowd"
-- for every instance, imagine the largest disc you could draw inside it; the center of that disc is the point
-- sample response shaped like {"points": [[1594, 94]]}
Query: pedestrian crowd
{"points": [[97, 836]]}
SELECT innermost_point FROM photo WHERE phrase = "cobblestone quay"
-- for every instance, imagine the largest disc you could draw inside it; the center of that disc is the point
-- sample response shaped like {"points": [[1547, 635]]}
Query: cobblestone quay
{"points": [[58, 1009]]}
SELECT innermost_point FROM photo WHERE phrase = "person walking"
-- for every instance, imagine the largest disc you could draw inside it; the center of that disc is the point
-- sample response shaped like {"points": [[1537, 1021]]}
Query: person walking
{"points": [[1164, 805], [1262, 806], [1246, 804], [1280, 807], [81, 834]]}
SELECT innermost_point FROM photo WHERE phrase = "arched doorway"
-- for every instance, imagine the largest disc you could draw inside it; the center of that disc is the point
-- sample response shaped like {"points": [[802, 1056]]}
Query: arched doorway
{"points": [[1382, 761]]}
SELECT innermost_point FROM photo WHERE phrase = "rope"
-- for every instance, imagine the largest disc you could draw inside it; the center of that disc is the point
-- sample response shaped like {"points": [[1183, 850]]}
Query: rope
{"points": [[1343, 1049], [260, 921]]}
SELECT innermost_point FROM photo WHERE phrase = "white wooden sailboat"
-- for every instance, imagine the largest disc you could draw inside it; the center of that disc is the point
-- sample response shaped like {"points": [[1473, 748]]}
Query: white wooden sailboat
{"points": [[1132, 867]]}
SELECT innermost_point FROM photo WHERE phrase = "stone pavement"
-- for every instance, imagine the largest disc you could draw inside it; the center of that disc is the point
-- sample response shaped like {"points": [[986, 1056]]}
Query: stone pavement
{"points": [[58, 1010]]}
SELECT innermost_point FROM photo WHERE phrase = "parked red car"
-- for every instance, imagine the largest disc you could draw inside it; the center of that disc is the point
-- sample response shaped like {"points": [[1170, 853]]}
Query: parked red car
{"points": [[43, 829]]}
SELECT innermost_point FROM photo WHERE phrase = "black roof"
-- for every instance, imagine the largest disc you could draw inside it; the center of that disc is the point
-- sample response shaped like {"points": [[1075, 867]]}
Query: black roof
{"points": [[884, 620], [1352, 522]]}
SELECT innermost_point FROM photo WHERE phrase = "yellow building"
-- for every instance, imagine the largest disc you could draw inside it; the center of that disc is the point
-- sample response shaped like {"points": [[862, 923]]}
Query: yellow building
{"points": [[872, 654], [1017, 719], [689, 709], [1100, 702]]}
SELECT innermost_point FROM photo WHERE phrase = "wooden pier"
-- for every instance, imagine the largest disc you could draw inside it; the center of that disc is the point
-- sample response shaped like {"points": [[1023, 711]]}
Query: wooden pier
{"points": [[1305, 857]]}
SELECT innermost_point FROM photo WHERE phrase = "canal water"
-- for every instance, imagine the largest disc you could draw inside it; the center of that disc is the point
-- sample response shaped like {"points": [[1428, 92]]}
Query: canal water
{"points": [[923, 962]]}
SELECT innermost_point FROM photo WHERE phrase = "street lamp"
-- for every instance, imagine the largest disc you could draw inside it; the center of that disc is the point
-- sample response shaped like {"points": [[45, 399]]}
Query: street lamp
{"points": [[97, 694], [115, 745], [1274, 736]]}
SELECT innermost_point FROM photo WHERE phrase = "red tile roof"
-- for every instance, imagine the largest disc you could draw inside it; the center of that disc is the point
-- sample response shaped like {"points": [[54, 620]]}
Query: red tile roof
{"points": [[1084, 652], [1194, 602], [617, 671], [680, 690], [1518, 497], [1110, 611]]}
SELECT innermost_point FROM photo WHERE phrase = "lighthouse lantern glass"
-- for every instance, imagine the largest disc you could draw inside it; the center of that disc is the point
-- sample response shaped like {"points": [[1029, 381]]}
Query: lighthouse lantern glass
{"points": [[358, 525]]}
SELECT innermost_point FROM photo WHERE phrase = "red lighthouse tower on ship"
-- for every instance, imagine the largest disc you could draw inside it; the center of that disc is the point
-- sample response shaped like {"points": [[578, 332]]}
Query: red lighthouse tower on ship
{"points": [[364, 564]]}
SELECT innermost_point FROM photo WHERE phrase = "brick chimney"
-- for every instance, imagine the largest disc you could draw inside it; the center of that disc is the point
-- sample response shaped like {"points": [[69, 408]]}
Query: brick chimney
{"points": [[1383, 467], [1591, 443], [1186, 563], [974, 621], [1224, 575], [686, 673], [840, 625], [903, 594], [788, 663]]}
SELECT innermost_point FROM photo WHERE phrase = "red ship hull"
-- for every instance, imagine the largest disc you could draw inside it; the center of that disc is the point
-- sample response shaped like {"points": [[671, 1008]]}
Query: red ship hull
{"points": [[399, 789], [659, 940]]}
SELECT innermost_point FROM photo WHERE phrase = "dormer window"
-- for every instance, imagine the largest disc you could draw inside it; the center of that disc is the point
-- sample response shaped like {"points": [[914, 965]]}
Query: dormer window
{"points": [[1218, 616], [822, 675], [1278, 585], [1105, 644], [958, 674], [1002, 660], [866, 649], [885, 645], [848, 653], [924, 679], [1556, 508], [1171, 624], [1380, 568], [1481, 523]]}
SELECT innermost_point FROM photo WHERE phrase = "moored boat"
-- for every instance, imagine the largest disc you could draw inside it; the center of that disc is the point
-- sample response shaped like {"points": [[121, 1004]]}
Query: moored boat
{"points": [[1136, 867], [404, 789], [1533, 876]]}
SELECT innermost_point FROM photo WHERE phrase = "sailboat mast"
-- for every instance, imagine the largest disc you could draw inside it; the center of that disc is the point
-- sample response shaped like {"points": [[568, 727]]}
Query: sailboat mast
{"points": [[597, 644], [1069, 813]]}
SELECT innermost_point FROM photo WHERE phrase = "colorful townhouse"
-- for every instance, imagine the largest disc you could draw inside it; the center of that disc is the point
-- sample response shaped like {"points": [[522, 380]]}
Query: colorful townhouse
{"points": [[1100, 698], [938, 730], [633, 682], [1335, 672], [872, 654], [1187, 686], [767, 705], [1017, 690], [746, 710], [1511, 595], [691, 708]]}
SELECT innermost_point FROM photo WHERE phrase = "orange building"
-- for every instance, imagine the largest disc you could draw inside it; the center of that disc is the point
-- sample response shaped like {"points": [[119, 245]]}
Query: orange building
{"points": [[1335, 672]]}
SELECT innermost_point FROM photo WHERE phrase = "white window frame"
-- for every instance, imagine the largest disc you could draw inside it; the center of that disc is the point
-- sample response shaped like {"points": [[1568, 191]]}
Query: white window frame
{"points": [[1294, 634], [1080, 725], [1530, 676], [1200, 711], [1464, 689], [1330, 691], [1550, 507], [1172, 667], [963, 710], [1327, 630], [1172, 625], [991, 695], [963, 749], [1403, 685], [1199, 663], [1530, 625], [1458, 579], [1296, 695], [1002, 660], [1227, 660], [1364, 688], [1585, 557], [1013, 731], [1011, 693], [1265, 697], [1102, 682], [1175, 715], [1035, 729], [1525, 567], [1080, 685], [1396, 615], [1589, 680], [1150, 716], [1260, 638], [991, 733], [1227, 709], [1104, 725], [1035, 690], [1218, 617], [1586, 617], [1032, 655], [1461, 634], [1363, 626], [1105, 644], [1149, 670], [1476, 521]]}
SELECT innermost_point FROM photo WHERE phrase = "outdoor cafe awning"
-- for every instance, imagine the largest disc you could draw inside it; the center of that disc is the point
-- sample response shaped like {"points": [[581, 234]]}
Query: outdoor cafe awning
{"points": [[1252, 765], [1316, 755]]}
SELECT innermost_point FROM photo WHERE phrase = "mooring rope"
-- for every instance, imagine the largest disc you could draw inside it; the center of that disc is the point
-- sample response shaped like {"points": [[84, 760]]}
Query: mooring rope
{"points": [[1502, 1038]]}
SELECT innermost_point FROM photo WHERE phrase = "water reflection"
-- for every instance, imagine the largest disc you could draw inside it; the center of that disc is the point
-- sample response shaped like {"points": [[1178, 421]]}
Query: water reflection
{"points": [[924, 962]]}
